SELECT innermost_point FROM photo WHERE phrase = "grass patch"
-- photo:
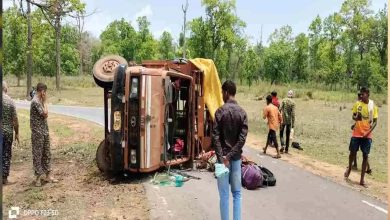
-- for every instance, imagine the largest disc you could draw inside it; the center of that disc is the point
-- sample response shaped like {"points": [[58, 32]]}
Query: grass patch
{"points": [[80, 90], [323, 130], [262, 89]]}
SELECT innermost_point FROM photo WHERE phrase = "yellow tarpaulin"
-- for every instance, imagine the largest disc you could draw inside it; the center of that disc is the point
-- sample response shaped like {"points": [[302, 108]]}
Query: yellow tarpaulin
{"points": [[211, 84]]}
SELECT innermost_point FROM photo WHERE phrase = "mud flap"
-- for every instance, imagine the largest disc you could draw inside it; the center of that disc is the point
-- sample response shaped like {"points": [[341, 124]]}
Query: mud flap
{"points": [[117, 116]]}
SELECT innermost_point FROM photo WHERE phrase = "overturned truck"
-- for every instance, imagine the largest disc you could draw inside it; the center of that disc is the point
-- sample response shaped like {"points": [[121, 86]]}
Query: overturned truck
{"points": [[161, 112]]}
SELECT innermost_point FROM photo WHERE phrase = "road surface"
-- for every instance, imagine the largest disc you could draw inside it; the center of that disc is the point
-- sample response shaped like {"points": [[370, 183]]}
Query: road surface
{"points": [[298, 194]]}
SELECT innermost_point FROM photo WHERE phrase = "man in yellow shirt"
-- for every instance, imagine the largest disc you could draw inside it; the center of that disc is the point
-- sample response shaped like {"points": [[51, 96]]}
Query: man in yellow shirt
{"points": [[365, 113]]}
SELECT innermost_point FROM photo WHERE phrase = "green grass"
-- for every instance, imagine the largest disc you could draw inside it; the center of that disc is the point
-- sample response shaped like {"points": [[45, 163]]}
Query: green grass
{"points": [[69, 144], [323, 130], [307, 91], [74, 90]]}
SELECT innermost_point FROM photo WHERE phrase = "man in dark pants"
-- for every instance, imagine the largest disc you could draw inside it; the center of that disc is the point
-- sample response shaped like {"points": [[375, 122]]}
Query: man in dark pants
{"points": [[10, 124], [366, 115], [40, 139], [272, 114], [229, 136], [287, 110]]}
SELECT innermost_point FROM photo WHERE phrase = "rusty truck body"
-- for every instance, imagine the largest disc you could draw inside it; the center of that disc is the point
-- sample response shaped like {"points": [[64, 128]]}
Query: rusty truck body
{"points": [[157, 114]]}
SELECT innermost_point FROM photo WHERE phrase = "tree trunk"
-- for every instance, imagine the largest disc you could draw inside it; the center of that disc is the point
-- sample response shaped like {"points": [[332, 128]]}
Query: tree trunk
{"points": [[81, 59], [58, 51], [18, 85], [29, 50]]}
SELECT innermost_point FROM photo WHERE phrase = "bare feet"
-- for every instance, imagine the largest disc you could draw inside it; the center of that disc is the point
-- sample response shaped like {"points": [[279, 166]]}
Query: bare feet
{"points": [[264, 150], [277, 156], [362, 183], [347, 172]]}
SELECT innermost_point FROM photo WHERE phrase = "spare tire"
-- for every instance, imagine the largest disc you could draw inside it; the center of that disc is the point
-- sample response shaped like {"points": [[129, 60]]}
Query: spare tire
{"points": [[105, 68]]}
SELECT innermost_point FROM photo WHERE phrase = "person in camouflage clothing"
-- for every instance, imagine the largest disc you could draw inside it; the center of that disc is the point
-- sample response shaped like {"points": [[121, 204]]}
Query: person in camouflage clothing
{"points": [[10, 124], [287, 109], [40, 139]]}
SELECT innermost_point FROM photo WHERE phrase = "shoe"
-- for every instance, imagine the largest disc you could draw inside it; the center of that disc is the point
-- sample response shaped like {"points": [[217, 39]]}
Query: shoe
{"points": [[50, 179], [282, 150], [369, 171], [38, 181]]}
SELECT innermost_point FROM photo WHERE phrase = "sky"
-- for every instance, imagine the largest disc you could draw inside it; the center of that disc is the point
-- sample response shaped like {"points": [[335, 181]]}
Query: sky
{"points": [[168, 16]]}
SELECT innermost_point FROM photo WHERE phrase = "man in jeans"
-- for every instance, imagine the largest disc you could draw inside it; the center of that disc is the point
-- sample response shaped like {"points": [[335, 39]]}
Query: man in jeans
{"points": [[287, 109], [229, 135]]}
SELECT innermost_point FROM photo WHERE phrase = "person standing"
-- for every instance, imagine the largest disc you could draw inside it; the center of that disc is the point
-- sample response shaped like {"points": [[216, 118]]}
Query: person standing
{"points": [[229, 136], [40, 139], [10, 124], [272, 114], [365, 113], [275, 99], [287, 110]]}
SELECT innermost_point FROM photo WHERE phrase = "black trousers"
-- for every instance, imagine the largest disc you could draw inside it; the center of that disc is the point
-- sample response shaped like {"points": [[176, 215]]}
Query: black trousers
{"points": [[271, 139], [288, 131]]}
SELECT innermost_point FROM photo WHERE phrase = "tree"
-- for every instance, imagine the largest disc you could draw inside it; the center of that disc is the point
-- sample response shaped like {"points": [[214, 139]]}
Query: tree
{"points": [[276, 63], [147, 46], [184, 8], [379, 34], [315, 39], [14, 46], [29, 53], [251, 65], [301, 53], [199, 41], [355, 15], [223, 25], [331, 28], [54, 11], [166, 47], [278, 56], [120, 38]]}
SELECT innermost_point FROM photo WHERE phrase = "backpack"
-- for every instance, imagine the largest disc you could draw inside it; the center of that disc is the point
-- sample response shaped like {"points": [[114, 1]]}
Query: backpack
{"points": [[268, 177], [252, 178]]}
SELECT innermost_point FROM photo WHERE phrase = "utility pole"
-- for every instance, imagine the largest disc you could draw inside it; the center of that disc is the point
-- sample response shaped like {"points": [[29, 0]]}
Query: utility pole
{"points": [[184, 27]]}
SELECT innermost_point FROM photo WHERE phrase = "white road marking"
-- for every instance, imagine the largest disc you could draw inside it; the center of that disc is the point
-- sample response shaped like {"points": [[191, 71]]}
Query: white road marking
{"points": [[377, 207]]}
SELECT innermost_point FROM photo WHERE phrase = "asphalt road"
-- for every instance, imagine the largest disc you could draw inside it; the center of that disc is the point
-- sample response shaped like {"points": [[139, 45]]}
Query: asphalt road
{"points": [[298, 194]]}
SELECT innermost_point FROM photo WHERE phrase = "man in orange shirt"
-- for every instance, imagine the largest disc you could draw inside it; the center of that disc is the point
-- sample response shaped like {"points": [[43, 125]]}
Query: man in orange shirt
{"points": [[365, 113], [272, 114]]}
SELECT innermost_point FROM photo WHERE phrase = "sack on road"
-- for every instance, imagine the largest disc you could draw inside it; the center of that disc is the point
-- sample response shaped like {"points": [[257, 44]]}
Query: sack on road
{"points": [[252, 178]]}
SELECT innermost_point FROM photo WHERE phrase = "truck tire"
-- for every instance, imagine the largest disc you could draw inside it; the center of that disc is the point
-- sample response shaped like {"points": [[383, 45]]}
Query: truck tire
{"points": [[103, 157], [105, 68]]}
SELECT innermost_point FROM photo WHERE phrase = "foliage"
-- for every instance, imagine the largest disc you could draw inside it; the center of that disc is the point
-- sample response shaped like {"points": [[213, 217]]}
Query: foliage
{"points": [[344, 50]]}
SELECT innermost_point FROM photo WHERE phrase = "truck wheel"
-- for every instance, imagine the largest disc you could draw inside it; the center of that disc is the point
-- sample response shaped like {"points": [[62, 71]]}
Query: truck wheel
{"points": [[103, 157], [105, 68]]}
